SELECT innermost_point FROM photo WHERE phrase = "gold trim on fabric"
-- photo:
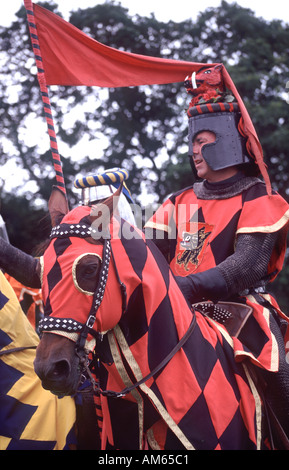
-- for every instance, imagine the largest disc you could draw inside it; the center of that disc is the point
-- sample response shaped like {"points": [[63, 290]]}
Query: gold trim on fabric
{"points": [[275, 351], [74, 272], [152, 441], [160, 408], [258, 406], [89, 345], [127, 382], [41, 261], [223, 331], [157, 226], [258, 403], [266, 228]]}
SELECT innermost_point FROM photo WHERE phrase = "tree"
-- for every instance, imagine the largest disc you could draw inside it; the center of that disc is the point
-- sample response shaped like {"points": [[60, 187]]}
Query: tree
{"points": [[143, 129]]}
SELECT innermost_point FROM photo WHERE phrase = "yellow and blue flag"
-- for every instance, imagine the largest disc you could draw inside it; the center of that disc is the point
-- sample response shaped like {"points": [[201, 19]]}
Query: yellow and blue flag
{"points": [[31, 418]]}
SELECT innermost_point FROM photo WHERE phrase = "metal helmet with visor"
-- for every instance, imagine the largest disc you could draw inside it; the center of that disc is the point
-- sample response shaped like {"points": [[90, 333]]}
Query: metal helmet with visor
{"points": [[228, 149]]}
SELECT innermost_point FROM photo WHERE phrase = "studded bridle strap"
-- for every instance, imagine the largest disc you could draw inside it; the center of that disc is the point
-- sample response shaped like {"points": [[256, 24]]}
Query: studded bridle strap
{"points": [[107, 254], [82, 230], [97, 299], [79, 230], [69, 325], [60, 324]]}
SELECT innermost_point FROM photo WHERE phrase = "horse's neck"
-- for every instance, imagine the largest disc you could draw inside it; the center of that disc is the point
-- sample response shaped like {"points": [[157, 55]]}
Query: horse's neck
{"points": [[155, 303]]}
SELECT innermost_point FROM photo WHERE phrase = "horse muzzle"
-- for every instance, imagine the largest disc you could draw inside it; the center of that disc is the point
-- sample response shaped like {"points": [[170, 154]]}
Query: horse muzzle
{"points": [[55, 376], [57, 365]]}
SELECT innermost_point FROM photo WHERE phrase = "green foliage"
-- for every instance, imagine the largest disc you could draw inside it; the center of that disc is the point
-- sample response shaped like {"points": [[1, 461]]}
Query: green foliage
{"points": [[143, 129]]}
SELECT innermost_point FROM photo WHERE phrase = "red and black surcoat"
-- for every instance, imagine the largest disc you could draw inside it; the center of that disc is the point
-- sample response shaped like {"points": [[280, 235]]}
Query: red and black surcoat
{"points": [[202, 233]]}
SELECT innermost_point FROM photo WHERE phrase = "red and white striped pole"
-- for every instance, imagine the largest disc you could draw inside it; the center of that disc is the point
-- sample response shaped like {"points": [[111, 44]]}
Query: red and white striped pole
{"points": [[45, 97]]}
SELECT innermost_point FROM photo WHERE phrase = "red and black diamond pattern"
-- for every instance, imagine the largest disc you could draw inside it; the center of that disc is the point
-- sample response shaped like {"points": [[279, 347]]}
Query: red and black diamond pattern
{"points": [[203, 389]]}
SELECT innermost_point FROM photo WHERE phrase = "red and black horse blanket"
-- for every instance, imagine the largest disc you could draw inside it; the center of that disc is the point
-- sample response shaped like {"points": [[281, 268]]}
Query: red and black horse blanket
{"points": [[203, 398]]}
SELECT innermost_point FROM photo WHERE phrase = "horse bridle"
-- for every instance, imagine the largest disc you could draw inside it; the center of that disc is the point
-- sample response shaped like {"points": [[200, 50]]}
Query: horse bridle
{"points": [[65, 324], [69, 325]]}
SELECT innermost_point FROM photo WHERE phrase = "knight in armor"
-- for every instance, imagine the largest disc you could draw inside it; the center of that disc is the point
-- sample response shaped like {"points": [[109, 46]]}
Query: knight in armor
{"points": [[225, 238]]}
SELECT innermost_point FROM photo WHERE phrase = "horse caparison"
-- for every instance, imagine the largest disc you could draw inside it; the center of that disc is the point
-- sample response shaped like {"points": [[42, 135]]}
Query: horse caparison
{"points": [[119, 299]]}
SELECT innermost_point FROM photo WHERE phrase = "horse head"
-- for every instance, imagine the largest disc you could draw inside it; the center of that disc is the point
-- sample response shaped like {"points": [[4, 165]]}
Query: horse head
{"points": [[76, 267]]}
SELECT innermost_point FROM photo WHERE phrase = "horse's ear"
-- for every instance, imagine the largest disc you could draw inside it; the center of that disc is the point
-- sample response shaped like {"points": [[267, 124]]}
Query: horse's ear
{"points": [[97, 210], [57, 206]]}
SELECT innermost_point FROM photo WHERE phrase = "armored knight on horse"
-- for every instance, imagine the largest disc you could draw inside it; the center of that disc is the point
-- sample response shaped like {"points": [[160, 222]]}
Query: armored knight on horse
{"points": [[187, 354], [183, 350], [240, 231]]}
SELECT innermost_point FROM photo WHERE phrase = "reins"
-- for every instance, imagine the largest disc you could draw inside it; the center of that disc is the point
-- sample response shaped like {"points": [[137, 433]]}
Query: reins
{"points": [[158, 368], [81, 353], [13, 350], [50, 323]]}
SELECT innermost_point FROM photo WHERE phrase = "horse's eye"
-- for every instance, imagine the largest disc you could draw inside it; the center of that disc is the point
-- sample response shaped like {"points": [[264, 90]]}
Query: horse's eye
{"points": [[89, 271], [85, 272]]}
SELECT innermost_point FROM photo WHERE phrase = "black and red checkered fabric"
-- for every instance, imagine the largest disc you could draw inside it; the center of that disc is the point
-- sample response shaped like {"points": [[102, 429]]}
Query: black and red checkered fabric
{"points": [[216, 223], [202, 399]]}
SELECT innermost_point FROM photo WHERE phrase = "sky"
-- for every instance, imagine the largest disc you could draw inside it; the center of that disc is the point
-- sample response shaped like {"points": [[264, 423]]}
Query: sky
{"points": [[162, 9]]}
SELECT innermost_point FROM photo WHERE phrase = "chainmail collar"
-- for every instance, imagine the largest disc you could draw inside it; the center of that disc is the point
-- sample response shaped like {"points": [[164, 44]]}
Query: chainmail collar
{"points": [[225, 189]]}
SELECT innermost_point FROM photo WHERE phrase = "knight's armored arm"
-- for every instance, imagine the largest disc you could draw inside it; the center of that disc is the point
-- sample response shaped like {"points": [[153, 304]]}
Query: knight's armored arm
{"points": [[248, 266], [23, 267], [245, 269]]}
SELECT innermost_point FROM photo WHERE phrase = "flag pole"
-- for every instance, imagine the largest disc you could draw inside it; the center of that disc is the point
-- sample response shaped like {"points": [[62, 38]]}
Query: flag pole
{"points": [[45, 96]]}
